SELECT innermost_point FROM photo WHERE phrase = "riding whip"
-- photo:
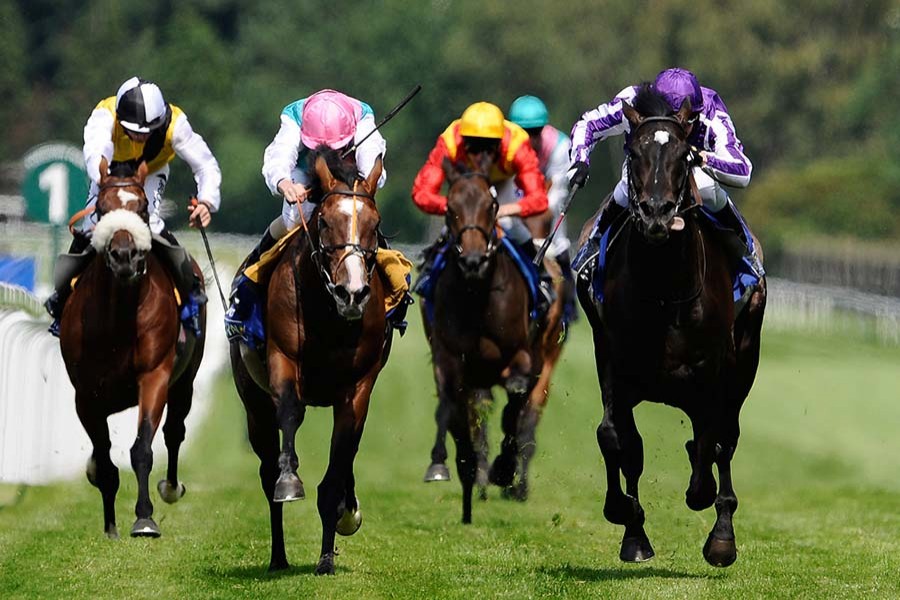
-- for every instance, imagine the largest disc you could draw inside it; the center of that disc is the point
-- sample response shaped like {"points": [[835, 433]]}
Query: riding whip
{"points": [[386, 118], [562, 215], [212, 261]]}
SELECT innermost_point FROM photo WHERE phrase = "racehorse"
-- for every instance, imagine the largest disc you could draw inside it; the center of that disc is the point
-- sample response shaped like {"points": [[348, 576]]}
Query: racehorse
{"points": [[123, 346], [666, 330], [327, 340], [481, 334], [549, 343]]}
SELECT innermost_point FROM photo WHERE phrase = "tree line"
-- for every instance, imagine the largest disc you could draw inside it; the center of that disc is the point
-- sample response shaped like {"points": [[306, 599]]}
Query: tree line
{"points": [[810, 85]]}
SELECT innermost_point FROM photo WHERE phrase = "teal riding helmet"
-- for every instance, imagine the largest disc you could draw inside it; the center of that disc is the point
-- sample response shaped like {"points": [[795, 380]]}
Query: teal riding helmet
{"points": [[528, 112]]}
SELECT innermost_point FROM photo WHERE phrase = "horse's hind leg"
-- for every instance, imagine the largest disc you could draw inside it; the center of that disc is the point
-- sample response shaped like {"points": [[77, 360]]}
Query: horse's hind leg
{"points": [[101, 471], [483, 403], [263, 434], [152, 394], [180, 396]]}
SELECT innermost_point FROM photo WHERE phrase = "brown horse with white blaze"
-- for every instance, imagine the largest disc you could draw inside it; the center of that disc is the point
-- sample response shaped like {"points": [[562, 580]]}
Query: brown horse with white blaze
{"points": [[327, 341], [123, 345]]}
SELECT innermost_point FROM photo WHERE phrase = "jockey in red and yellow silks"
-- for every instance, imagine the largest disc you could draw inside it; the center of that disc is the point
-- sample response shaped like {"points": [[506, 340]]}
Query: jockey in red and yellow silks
{"points": [[515, 159]]}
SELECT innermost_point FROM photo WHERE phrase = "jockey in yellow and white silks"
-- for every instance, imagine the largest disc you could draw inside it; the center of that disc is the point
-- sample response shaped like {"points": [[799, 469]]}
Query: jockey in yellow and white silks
{"points": [[137, 124]]}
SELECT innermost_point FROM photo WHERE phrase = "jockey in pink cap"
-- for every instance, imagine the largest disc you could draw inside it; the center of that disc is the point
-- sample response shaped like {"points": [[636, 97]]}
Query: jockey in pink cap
{"points": [[328, 118]]}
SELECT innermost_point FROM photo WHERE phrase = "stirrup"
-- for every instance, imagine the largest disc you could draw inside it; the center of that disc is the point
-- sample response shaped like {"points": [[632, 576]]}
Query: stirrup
{"points": [[54, 328]]}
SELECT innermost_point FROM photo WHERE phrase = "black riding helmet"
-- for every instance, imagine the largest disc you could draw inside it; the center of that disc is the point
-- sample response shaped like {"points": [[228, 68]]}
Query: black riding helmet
{"points": [[140, 106]]}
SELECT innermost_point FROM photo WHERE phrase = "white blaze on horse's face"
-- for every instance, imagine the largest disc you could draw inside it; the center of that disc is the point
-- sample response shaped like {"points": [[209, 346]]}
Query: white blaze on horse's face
{"points": [[661, 137], [356, 268], [125, 197]]}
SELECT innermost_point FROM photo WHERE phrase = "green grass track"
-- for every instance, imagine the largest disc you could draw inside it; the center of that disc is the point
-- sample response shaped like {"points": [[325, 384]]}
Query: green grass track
{"points": [[817, 475]]}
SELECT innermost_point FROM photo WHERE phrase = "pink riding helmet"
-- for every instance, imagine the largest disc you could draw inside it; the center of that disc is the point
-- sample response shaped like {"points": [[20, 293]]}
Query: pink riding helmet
{"points": [[329, 118]]}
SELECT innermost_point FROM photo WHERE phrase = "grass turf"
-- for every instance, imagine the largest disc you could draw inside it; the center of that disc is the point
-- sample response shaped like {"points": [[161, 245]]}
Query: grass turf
{"points": [[816, 475]]}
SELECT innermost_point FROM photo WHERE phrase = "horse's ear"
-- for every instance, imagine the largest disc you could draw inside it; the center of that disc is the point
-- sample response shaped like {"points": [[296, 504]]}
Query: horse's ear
{"points": [[633, 116], [142, 172], [450, 172], [104, 169], [325, 177], [371, 183], [684, 113]]}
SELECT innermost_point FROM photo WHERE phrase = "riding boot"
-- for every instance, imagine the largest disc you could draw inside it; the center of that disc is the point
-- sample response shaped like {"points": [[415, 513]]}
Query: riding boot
{"points": [[610, 214], [546, 294], [187, 282], [54, 305], [426, 262], [734, 240], [245, 294]]}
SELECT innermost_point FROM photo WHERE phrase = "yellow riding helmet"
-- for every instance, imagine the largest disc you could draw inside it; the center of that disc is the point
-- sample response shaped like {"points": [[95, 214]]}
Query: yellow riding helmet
{"points": [[483, 120]]}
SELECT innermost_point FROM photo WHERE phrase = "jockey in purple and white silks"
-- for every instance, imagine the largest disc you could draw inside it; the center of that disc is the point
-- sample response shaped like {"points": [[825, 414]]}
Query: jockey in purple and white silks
{"points": [[713, 134]]}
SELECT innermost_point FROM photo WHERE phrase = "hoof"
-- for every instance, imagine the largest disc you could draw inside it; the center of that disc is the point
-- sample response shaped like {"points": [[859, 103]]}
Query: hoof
{"points": [[91, 471], [325, 565], [112, 533], [636, 549], [517, 384], [437, 472], [288, 488], [278, 565], [145, 528], [168, 493], [349, 521], [718, 552], [503, 471], [517, 492]]}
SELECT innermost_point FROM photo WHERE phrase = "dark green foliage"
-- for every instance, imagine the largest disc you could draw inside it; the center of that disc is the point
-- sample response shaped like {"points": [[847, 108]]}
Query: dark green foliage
{"points": [[805, 81]]}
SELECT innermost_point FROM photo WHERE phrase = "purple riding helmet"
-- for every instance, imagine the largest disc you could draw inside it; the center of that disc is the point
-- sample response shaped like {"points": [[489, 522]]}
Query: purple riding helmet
{"points": [[676, 85]]}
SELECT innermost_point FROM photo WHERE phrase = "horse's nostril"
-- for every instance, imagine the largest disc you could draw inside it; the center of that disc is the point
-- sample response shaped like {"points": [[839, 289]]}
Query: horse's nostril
{"points": [[644, 208], [668, 207], [341, 293], [362, 294]]}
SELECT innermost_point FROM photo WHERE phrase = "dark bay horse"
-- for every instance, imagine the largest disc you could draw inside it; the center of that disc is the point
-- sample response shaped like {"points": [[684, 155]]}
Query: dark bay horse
{"points": [[549, 343], [123, 346], [327, 340], [481, 335], [667, 332]]}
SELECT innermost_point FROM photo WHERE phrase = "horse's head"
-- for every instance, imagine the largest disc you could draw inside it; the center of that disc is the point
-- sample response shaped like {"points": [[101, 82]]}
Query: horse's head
{"points": [[471, 216], [659, 163], [347, 226], [122, 233]]}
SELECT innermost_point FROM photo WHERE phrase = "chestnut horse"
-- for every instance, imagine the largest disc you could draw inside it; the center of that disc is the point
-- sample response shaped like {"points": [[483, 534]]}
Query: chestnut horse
{"points": [[666, 331], [327, 340], [481, 334], [123, 346]]}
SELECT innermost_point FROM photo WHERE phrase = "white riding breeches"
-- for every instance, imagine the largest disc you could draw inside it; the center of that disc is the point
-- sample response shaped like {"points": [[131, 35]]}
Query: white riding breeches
{"points": [[712, 193]]}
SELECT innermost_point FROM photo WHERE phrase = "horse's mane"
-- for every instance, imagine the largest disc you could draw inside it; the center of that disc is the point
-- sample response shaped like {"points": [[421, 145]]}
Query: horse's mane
{"points": [[649, 102], [343, 169], [123, 168]]}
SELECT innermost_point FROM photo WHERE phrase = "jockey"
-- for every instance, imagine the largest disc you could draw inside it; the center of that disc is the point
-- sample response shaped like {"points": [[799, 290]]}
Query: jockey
{"points": [[138, 125], [327, 117], [552, 148], [712, 133], [483, 130]]}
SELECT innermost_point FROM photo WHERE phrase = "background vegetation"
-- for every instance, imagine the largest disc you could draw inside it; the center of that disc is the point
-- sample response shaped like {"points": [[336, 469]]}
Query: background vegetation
{"points": [[811, 84]]}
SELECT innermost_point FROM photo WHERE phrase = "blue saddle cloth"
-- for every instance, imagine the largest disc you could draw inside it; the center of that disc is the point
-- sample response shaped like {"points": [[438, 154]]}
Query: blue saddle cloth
{"points": [[427, 281], [597, 245]]}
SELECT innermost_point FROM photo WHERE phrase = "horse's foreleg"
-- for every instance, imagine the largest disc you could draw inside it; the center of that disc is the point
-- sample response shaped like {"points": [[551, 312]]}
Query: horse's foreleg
{"points": [[518, 385], [101, 471], [720, 549], [437, 470], [635, 543], [179, 404], [289, 413], [483, 402], [337, 503], [702, 450], [466, 459], [152, 393]]}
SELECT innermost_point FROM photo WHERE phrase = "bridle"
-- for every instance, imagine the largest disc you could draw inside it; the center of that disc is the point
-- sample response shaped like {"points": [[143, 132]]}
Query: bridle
{"points": [[490, 237], [686, 189], [85, 212], [318, 250]]}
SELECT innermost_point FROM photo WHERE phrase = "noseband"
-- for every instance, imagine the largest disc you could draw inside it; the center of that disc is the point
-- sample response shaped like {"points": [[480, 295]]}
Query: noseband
{"points": [[489, 237]]}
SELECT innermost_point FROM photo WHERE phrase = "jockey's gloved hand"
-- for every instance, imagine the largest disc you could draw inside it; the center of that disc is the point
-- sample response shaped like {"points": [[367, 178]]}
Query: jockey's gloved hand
{"points": [[578, 174]]}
